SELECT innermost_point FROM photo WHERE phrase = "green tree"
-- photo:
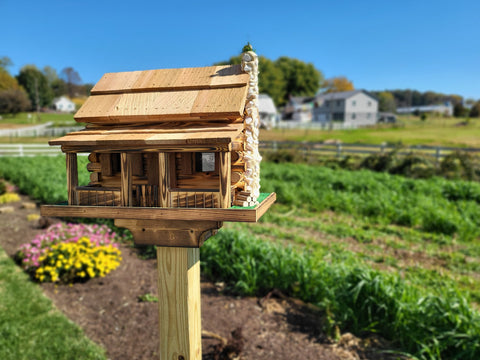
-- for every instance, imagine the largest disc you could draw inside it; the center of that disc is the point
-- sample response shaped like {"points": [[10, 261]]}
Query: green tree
{"points": [[5, 62], [301, 79], [284, 77], [13, 101], [460, 111], [7, 81], [386, 102], [475, 110], [36, 85], [338, 84], [50, 74]]}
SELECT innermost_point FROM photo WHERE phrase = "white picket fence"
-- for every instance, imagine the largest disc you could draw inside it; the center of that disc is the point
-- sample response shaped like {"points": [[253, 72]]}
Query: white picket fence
{"points": [[29, 150]]}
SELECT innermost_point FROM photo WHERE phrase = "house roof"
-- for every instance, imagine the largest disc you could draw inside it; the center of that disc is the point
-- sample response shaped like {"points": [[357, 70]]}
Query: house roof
{"points": [[62, 98], [342, 95], [266, 105], [168, 136], [188, 94]]}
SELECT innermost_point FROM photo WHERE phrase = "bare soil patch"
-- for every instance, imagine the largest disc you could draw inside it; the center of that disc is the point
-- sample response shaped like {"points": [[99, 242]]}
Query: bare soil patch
{"points": [[109, 311]]}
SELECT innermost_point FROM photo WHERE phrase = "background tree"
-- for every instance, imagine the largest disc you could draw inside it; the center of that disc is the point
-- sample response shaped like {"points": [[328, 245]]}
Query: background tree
{"points": [[475, 110], [284, 77], [460, 111], [386, 102], [36, 85], [301, 79], [338, 84], [13, 101], [87, 88], [5, 62], [72, 79]]}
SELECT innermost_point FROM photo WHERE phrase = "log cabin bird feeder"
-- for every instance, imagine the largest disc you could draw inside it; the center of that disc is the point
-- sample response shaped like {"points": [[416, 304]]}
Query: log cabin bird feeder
{"points": [[172, 154]]}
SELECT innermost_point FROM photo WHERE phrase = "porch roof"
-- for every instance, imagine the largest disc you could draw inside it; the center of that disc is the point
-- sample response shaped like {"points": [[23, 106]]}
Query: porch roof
{"points": [[172, 136]]}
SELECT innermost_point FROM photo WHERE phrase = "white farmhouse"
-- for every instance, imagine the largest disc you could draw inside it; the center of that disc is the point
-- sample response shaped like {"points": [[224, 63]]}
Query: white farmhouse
{"points": [[63, 104]]}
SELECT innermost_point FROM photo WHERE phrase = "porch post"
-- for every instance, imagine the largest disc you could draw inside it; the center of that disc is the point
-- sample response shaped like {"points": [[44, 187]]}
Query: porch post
{"points": [[72, 178], [126, 194]]}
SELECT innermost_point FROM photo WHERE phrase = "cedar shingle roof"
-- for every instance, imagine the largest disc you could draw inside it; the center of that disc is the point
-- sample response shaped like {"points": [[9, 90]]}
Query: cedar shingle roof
{"points": [[188, 94]]}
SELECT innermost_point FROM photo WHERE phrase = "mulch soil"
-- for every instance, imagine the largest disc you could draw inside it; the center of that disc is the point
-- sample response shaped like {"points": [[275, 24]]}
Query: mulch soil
{"points": [[110, 313]]}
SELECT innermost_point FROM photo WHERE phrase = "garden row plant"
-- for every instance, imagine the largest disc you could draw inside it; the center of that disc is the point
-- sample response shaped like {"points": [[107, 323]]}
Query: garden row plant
{"points": [[434, 205], [435, 325]]}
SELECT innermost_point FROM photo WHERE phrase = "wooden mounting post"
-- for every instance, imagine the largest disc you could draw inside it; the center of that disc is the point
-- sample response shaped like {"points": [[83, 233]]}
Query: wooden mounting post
{"points": [[179, 303]]}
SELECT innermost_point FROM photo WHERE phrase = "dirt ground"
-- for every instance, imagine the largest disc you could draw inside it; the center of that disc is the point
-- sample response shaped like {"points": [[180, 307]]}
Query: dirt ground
{"points": [[109, 311]]}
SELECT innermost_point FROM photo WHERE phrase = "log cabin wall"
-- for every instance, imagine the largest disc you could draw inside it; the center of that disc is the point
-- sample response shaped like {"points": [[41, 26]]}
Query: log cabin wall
{"points": [[187, 186]]}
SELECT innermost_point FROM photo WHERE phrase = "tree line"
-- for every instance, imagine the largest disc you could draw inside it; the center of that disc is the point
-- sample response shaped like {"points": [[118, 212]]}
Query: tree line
{"points": [[286, 77], [33, 89], [390, 100]]}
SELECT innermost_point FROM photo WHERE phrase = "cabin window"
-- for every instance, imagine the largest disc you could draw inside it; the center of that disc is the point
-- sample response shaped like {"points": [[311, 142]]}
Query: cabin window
{"points": [[204, 162]]}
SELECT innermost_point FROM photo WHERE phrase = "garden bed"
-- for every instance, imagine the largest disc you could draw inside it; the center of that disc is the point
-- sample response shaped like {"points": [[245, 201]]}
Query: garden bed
{"points": [[110, 312]]}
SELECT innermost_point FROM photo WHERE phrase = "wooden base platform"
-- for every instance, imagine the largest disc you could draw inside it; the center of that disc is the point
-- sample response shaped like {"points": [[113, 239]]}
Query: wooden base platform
{"points": [[235, 214]]}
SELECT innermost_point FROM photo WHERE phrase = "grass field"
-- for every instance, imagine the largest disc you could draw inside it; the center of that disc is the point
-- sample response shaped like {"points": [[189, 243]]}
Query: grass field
{"points": [[31, 327], [408, 131], [38, 118]]}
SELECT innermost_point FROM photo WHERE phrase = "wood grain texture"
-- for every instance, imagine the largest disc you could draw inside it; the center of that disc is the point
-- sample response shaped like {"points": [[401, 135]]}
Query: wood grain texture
{"points": [[225, 179], [210, 136], [171, 79], [235, 214], [106, 164], [176, 233], [126, 180], [163, 167], [179, 303], [72, 177], [146, 107]]}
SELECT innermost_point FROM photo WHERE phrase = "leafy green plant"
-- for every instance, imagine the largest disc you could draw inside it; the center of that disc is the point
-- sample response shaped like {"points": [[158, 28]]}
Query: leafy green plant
{"points": [[435, 325], [148, 298]]}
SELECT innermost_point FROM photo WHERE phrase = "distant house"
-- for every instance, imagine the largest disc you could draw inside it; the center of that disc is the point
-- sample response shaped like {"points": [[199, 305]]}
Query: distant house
{"points": [[356, 108], [299, 109], [443, 109], [267, 110], [63, 104]]}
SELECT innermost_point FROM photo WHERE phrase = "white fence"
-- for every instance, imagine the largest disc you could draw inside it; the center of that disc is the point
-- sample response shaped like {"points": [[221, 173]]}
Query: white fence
{"points": [[338, 149], [29, 150], [39, 130], [307, 149]]}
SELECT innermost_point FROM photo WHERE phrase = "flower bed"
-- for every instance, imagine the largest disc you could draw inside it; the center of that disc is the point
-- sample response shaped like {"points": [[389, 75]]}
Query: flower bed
{"points": [[70, 252]]}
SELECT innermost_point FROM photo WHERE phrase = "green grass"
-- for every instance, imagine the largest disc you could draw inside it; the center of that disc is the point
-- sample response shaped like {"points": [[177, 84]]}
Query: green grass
{"points": [[31, 327], [38, 118], [409, 131]]}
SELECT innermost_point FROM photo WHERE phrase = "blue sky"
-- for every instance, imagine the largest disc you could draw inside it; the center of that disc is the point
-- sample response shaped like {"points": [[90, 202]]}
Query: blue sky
{"points": [[421, 44]]}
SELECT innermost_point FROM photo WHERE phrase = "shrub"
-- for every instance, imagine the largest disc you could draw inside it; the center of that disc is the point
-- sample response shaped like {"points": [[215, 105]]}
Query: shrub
{"points": [[414, 166], [81, 260], [459, 165]]}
